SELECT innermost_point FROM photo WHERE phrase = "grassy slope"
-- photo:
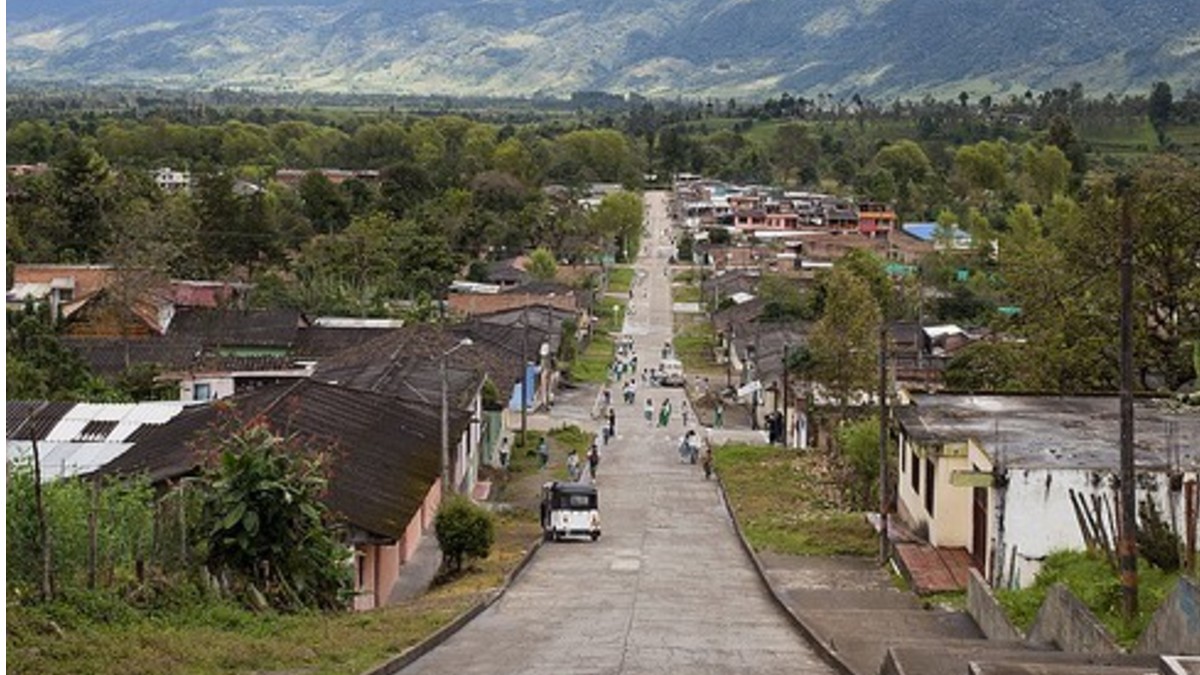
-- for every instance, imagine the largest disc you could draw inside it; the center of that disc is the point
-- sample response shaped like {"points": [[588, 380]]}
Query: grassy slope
{"points": [[212, 637], [1097, 585], [786, 504]]}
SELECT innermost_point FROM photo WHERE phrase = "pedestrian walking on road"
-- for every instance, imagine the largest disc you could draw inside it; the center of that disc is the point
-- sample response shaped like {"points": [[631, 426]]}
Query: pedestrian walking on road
{"points": [[607, 397], [664, 413], [543, 452], [573, 466], [593, 458], [612, 423], [719, 416], [683, 411], [707, 461], [504, 453], [648, 411]]}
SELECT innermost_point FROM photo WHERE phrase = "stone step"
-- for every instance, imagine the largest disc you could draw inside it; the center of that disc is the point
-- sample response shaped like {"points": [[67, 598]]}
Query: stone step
{"points": [[831, 625], [957, 659], [864, 655], [1179, 665], [818, 599], [1057, 669]]}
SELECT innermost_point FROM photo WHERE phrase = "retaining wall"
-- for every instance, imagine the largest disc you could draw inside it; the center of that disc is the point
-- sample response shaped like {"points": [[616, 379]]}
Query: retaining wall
{"points": [[1175, 627], [987, 612], [1067, 623]]}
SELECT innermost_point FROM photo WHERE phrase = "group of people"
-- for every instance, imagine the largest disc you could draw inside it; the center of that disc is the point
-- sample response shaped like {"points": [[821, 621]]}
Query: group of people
{"points": [[575, 468], [692, 448], [629, 392], [690, 452], [664, 412]]}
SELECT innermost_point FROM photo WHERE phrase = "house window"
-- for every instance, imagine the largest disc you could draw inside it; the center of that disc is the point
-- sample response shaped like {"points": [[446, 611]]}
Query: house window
{"points": [[201, 391], [929, 476], [914, 475]]}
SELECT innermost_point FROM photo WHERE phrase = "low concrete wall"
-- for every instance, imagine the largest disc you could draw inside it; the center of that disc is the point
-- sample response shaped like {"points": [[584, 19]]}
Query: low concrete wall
{"points": [[1175, 627], [1067, 623], [988, 614]]}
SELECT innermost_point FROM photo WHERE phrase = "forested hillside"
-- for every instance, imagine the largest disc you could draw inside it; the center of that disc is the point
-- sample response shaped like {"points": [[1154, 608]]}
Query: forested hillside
{"points": [[877, 48]]}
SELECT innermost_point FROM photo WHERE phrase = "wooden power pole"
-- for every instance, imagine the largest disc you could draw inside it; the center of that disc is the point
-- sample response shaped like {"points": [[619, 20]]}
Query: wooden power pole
{"points": [[1127, 544]]}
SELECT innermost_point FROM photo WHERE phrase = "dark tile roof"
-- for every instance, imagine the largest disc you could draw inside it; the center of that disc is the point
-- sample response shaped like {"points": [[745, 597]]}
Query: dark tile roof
{"points": [[194, 341], [738, 315], [319, 341], [768, 340], [406, 363], [234, 327], [232, 363], [107, 356], [387, 453], [506, 271], [32, 420], [727, 284]]}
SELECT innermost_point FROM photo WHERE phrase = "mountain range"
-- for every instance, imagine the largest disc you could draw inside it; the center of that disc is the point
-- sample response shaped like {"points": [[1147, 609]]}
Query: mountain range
{"points": [[880, 48]]}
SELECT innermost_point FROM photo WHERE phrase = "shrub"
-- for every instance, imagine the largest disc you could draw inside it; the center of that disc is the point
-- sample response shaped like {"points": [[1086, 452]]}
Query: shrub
{"points": [[858, 445], [265, 523], [464, 530]]}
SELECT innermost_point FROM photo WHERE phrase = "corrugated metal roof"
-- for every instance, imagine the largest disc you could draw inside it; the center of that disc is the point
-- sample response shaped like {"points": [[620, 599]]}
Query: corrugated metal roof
{"points": [[33, 419], [80, 437], [62, 460]]}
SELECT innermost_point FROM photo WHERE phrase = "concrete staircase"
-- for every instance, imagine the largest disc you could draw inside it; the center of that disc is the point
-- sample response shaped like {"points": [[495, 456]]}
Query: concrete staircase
{"points": [[851, 607], [990, 658]]}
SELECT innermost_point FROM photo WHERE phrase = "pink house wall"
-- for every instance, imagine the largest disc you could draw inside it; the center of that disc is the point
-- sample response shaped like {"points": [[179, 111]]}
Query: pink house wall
{"points": [[378, 567]]}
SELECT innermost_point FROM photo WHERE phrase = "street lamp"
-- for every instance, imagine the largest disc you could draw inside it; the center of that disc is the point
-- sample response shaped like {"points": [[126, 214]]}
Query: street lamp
{"points": [[465, 342]]}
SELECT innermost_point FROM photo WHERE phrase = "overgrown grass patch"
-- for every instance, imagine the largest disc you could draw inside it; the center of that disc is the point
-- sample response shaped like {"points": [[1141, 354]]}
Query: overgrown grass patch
{"points": [[215, 637], [694, 343], [611, 312], [787, 502], [685, 293], [687, 276], [593, 364], [1099, 587], [620, 279]]}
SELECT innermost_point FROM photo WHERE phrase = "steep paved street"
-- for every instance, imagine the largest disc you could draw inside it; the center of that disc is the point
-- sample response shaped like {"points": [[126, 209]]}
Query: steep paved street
{"points": [[667, 587]]}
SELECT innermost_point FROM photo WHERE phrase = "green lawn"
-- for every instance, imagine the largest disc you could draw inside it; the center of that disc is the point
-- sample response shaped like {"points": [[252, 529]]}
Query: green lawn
{"points": [[784, 503], [694, 343], [593, 364], [620, 279]]}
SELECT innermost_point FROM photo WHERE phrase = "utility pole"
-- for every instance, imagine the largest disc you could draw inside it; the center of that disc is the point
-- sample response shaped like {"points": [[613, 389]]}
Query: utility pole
{"points": [[786, 420], [1127, 546], [39, 506], [884, 551], [524, 371], [447, 474]]}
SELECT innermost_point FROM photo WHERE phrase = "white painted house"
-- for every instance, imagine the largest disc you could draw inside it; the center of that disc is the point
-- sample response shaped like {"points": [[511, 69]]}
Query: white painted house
{"points": [[994, 474]]}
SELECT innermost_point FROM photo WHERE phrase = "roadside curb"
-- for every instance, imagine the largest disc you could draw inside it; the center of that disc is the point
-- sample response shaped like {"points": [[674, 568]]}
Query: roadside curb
{"points": [[408, 656], [827, 652]]}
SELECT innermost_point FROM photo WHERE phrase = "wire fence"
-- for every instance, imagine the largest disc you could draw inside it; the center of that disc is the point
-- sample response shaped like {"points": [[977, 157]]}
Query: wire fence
{"points": [[96, 534]]}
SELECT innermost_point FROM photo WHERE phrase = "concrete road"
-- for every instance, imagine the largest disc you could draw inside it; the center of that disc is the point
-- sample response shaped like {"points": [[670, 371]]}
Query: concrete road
{"points": [[667, 588]]}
